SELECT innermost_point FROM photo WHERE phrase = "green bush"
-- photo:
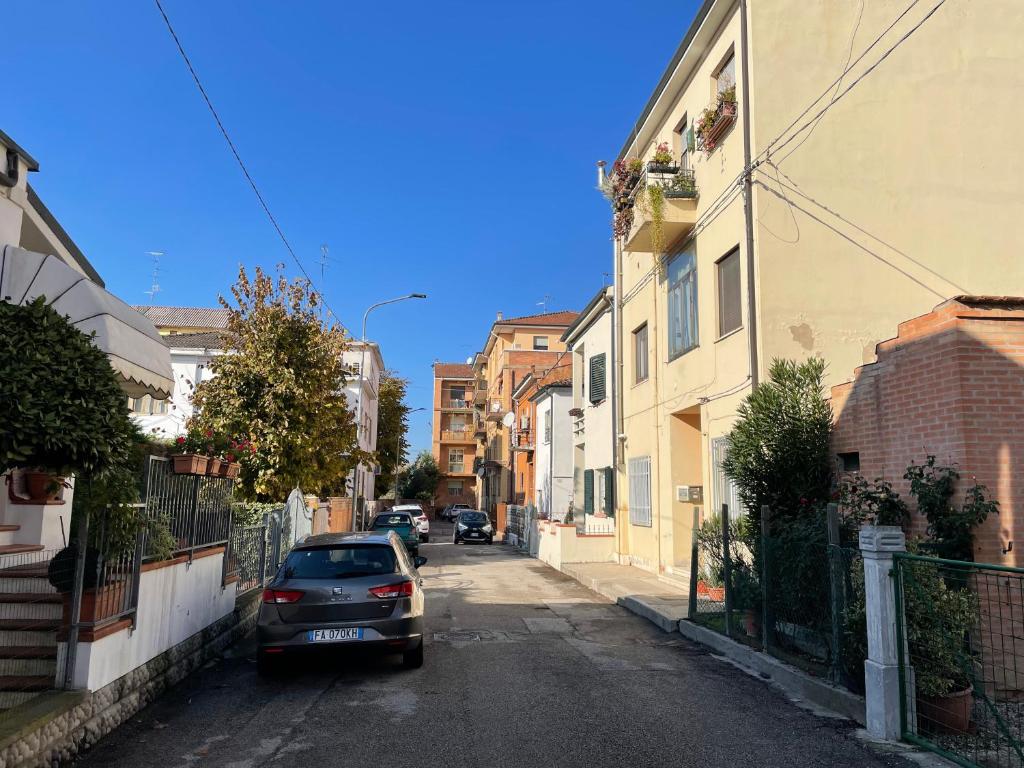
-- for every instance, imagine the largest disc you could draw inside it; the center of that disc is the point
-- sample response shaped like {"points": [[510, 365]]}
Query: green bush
{"points": [[63, 410]]}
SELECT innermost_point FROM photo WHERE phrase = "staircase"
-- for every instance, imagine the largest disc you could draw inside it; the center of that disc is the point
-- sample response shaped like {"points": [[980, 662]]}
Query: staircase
{"points": [[30, 616]]}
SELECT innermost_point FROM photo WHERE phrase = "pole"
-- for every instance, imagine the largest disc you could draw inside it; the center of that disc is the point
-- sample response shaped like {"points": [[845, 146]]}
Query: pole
{"points": [[727, 570], [77, 591], [765, 576], [748, 200], [694, 557]]}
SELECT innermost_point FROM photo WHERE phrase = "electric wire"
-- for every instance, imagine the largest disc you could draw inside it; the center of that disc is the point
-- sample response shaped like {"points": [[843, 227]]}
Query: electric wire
{"points": [[241, 164]]}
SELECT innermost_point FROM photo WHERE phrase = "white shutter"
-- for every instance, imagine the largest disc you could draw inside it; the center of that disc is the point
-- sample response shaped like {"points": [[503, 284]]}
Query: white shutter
{"points": [[640, 490]]}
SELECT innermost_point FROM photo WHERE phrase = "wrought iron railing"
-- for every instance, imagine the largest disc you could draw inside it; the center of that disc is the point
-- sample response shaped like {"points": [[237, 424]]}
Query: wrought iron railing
{"points": [[196, 509]]}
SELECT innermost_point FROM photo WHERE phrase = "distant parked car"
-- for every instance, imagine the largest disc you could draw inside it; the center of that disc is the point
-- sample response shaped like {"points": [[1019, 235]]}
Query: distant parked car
{"points": [[338, 589], [452, 511], [422, 522], [402, 524], [473, 525]]}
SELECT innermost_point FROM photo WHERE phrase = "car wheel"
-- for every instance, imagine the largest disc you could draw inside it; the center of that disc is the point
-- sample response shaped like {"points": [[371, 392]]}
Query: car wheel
{"points": [[455, 541], [425, 538], [490, 541], [413, 659]]}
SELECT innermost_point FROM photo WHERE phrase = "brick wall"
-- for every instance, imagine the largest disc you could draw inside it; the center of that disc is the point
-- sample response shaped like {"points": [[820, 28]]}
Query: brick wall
{"points": [[950, 384]]}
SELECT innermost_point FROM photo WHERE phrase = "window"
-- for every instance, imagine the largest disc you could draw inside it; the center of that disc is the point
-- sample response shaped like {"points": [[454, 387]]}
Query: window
{"points": [[725, 78], [682, 304], [602, 493], [456, 460], [457, 397], [725, 490], [640, 490], [454, 487], [687, 142], [849, 461], [540, 342], [147, 405], [597, 378], [640, 360], [730, 316], [547, 426]]}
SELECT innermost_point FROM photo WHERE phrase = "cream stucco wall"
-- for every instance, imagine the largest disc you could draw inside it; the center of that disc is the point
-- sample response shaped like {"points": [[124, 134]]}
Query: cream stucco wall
{"points": [[906, 192]]}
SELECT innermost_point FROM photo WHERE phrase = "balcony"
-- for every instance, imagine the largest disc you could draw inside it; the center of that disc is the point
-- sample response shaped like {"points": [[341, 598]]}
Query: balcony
{"points": [[522, 440], [494, 411], [456, 405], [480, 430], [458, 435], [480, 394], [679, 208]]}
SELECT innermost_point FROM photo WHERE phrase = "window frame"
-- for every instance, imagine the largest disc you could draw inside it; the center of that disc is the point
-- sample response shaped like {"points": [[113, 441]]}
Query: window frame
{"points": [[729, 58], [547, 344], [732, 254], [599, 360], [640, 502], [687, 278], [461, 462], [646, 358]]}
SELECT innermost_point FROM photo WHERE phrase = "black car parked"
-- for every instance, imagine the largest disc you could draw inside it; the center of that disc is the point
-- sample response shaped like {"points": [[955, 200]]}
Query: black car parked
{"points": [[473, 525]]}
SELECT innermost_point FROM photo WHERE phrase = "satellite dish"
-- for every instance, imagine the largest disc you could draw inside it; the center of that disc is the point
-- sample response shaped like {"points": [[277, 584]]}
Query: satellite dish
{"points": [[509, 419], [469, 361]]}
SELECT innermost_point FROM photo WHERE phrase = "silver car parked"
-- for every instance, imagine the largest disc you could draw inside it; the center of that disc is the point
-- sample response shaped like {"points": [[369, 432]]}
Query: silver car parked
{"points": [[353, 589]]}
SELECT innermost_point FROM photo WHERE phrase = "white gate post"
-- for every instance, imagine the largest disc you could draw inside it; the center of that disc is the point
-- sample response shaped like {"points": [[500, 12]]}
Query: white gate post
{"points": [[881, 669]]}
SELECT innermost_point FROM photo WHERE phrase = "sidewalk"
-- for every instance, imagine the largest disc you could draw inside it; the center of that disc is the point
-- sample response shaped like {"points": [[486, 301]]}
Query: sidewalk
{"points": [[643, 593]]}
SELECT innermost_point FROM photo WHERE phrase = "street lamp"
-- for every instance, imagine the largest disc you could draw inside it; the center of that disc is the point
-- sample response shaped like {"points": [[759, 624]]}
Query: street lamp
{"points": [[359, 391]]}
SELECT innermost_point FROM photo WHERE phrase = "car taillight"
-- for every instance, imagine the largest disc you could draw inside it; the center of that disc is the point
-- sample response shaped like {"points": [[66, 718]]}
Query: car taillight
{"points": [[391, 591], [282, 595]]}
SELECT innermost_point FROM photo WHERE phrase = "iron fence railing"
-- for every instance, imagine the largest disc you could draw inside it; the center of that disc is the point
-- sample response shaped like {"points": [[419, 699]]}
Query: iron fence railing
{"points": [[960, 641], [196, 509], [789, 588]]}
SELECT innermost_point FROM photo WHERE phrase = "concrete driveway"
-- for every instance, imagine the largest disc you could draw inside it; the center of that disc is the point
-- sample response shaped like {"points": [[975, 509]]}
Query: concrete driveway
{"points": [[524, 667]]}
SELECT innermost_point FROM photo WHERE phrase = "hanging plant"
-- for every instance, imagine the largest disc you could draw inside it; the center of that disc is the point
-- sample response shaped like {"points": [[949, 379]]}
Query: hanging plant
{"points": [[651, 202]]}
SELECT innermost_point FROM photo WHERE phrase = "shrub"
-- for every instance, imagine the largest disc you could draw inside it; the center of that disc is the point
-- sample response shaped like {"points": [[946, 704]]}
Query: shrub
{"points": [[778, 451]]}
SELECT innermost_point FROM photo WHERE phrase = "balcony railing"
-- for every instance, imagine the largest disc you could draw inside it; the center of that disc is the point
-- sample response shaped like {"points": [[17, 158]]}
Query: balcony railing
{"points": [[678, 208], [522, 440], [714, 123], [464, 435], [456, 405], [456, 468]]}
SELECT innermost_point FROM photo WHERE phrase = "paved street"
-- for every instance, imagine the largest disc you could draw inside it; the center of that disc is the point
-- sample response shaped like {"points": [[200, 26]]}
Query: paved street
{"points": [[523, 668]]}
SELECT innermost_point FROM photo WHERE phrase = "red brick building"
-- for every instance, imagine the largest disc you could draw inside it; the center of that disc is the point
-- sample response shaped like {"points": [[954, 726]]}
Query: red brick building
{"points": [[951, 384]]}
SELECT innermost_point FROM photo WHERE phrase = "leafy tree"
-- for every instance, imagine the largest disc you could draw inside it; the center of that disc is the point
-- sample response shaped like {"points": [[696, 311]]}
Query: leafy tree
{"points": [[419, 480], [392, 424], [281, 387], [779, 448]]}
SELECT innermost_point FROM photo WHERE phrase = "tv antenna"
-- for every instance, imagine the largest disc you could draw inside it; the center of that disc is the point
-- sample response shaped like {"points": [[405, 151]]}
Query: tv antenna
{"points": [[323, 260], [154, 287], [543, 303]]}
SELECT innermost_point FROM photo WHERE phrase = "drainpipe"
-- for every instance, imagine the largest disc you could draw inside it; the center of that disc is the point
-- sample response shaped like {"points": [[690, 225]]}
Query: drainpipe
{"points": [[618, 417], [748, 199]]}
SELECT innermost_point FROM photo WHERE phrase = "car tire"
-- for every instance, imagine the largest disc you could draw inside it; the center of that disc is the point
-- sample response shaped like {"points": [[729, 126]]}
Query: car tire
{"points": [[455, 541], [413, 659], [425, 538], [490, 541]]}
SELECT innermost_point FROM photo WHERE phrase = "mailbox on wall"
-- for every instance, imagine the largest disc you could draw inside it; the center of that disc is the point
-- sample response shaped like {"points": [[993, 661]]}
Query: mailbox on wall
{"points": [[692, 494]]}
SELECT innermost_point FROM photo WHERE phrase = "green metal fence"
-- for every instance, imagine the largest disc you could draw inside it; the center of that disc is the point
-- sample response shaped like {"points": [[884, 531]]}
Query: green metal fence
{"points": [[960, 638]]}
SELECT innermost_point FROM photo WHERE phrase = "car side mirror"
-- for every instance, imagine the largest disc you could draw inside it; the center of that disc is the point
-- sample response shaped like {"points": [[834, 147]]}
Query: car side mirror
{"points": [[419, 561]]}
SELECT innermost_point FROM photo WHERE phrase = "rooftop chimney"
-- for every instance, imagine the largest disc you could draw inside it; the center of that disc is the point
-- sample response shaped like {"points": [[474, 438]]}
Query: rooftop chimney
{"points": [[600, 173], [500, 317]]}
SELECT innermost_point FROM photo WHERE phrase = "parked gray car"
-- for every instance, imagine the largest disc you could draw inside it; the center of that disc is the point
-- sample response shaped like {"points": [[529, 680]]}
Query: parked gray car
{"points": [[343, 589]]}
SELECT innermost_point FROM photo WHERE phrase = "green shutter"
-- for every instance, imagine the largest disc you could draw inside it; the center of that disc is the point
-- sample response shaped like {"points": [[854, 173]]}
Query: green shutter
{"points": [[691, 142], [597, 378], [609, 491], [588, 491]]}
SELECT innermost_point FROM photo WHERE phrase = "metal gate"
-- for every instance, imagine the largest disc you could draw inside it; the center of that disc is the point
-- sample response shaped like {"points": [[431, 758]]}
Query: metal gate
{"points": [[960, 642]]}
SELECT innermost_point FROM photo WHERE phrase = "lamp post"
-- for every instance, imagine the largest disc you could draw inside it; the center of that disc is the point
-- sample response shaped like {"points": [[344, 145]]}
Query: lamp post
{"points": [[398, 452], [359, 391]]}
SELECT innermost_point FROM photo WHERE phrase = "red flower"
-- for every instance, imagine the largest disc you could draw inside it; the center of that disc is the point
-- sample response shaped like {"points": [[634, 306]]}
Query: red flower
{"points": [[231, 458], [180, 440], [209, 433]]}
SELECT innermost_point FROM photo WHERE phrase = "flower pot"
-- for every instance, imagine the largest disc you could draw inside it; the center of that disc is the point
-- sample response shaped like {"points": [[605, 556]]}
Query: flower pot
{"points": [[945, 714], [43, 486], [213, 467], [751, 623], [670, 168], [717, 594], [190, 464], [229, 469], [702, 588], [100, 603]]}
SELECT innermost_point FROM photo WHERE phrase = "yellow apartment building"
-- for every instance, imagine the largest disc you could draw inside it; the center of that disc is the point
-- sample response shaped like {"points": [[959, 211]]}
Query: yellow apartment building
{"points": [[884, 179], [515, 347]]}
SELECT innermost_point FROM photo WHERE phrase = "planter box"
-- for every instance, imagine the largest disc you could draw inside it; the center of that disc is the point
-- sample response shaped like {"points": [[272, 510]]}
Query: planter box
{"points": [[190, 464], [666, 168], [100, 603], [945, 714], [230, 469], [213, 467], [723, 121], [43, 487]]}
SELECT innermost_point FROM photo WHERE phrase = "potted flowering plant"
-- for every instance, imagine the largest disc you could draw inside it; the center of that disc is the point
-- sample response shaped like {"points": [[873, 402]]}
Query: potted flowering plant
{"points": [[662, 160], [716, 119], [236, 449], [196, 447]]}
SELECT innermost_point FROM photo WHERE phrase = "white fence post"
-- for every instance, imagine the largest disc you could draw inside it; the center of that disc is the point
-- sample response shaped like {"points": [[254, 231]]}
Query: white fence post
{"points": [[878, 543]]}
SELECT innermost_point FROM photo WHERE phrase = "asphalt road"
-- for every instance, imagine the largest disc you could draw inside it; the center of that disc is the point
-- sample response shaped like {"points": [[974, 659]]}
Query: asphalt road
{"points": [[523, 667]]}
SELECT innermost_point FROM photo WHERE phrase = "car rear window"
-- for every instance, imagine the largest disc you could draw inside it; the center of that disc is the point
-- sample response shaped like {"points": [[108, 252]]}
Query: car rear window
{"points": [[340, 562], [473, 517], [392, 521]]}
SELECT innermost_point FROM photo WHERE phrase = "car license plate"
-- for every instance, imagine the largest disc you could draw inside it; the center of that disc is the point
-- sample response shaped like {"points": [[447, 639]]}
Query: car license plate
{"points": [[334, 635], [475, 535]]}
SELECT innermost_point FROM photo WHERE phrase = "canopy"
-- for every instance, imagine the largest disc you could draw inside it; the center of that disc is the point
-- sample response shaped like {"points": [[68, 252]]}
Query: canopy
{"points": [[135, 349]]}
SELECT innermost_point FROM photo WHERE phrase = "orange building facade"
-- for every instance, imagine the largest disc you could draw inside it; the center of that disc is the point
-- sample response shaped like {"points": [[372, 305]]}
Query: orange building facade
{"points": [[453, 443]]}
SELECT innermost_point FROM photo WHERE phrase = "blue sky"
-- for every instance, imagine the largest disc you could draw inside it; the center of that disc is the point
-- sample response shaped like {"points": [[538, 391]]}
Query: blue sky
{"points": [[446, 148]]}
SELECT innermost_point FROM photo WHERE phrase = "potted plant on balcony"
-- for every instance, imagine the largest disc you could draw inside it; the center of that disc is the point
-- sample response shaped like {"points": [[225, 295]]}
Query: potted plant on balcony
{"points": [[230, 462], [716, 119], [196, 448], [662, 160], [63, 411]]}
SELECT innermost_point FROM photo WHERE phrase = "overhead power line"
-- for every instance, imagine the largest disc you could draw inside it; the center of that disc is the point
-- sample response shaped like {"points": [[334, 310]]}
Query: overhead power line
{"points": [[238, 157]]}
